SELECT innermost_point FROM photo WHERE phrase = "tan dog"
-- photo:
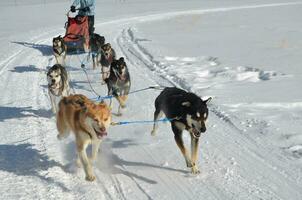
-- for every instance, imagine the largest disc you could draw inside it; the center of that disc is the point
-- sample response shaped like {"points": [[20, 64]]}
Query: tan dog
{"points": [[88, 121]]}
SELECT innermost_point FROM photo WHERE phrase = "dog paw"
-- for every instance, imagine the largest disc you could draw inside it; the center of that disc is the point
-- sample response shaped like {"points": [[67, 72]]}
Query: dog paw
{"points": [[90, 177], [153, 132], [189, 164], [60, 137], [195, 170], [119, 114]]}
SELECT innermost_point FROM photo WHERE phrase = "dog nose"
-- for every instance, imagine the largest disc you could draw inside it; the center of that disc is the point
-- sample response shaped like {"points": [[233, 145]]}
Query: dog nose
{"points": [[203, 129], [53, 80], [103, 129]]}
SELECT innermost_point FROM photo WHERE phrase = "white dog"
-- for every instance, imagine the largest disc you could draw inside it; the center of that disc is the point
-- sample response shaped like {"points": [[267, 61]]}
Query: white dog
{"points": [[58, 85]]}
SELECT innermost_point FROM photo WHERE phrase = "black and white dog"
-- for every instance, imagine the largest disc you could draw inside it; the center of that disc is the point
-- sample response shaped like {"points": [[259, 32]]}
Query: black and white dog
{"points": [[96, 42], [59, 49], [186, 111], [118, 82], [108, 55], [58, 85]]}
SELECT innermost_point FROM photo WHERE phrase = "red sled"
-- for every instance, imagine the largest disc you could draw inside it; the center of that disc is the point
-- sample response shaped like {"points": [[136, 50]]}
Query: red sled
{"points": [[77, 34]]}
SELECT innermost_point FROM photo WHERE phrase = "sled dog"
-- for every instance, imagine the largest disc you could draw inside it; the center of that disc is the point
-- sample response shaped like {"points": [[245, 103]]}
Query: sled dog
{"points": [[59, 49], [58, 85], [186, 111], [89, 122], [118, 83], [96, 43], [107, 57]]}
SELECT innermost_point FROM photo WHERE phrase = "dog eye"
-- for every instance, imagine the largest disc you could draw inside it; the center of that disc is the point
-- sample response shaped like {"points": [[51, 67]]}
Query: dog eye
{"points": [[195, 118], [96, 120], [197, 114], [106, 119]]}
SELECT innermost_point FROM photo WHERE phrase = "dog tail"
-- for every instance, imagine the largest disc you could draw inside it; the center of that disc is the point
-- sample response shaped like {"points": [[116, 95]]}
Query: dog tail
{"points": [[61, 123]]}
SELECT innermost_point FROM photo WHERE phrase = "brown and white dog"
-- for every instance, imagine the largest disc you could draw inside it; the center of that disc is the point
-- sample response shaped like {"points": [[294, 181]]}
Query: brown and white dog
{"points": [[59, 49], [108, 55], [118, 83], [89, 122], [58, 85]]}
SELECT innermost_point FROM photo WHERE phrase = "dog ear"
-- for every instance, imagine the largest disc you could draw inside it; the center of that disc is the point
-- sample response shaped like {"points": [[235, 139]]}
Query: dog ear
{"points": [[81, 103], [122, 59], [208, 100], [186, 103]]}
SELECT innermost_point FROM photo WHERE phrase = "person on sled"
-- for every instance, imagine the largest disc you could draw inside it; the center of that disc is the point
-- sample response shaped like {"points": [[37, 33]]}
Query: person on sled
{"points": [[86, 9]]}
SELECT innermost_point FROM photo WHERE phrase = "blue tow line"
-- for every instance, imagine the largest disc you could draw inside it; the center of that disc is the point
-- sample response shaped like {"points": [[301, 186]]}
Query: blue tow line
{"points": [[100, 98], [141, 122]]}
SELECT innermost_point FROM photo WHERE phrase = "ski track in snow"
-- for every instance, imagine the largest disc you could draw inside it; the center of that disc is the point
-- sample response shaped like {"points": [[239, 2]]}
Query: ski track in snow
{"points": [[227, 181], [147, 59]]}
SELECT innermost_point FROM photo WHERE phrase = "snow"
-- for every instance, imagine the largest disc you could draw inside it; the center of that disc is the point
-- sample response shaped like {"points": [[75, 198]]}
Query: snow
{"points": [[245, 54]]}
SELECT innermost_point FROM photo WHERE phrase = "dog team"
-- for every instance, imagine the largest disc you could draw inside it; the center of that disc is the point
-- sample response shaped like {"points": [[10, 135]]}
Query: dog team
{"points": [[89, 120]]}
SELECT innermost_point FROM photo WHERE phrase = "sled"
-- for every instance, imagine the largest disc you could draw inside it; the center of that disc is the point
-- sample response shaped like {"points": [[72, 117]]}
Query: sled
{"points": [[77, 34]]}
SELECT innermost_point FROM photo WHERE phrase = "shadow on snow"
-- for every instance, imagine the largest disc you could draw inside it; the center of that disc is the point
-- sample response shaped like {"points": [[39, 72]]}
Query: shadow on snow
{"points": [[24, 160], [7, 113], [45, 50], [23, 69]]}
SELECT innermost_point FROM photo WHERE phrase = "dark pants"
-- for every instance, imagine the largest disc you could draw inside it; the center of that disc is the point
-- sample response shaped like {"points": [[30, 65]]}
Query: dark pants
{"points": [[91, 24]]}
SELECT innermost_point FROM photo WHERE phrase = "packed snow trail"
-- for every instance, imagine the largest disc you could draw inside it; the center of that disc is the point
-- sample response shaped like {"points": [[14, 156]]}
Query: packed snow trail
{"points": [[131, 163]]}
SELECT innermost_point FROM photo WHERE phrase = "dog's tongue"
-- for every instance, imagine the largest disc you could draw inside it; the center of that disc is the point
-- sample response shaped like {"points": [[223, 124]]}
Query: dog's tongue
{"points": [[101, 134]]}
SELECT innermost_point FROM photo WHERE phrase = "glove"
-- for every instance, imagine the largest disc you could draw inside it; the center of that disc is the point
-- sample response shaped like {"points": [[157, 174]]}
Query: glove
{"points": [[86, 9], [72, 9]]}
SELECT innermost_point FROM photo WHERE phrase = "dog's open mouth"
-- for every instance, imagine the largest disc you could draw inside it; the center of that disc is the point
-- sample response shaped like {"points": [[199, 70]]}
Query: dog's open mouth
{"points": [[196, 133], [100, 133], [53, 85], [107, 56]]}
